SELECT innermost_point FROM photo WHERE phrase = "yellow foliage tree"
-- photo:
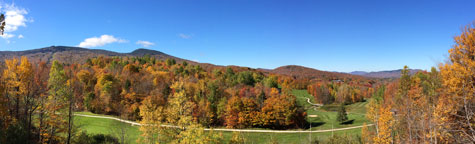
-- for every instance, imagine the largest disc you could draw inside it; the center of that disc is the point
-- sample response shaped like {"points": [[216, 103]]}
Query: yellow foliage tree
{"points": [[385, 123], [237, 138], [19, 93], [366, 135], [372, 110], [179, 114], [12, 85], [195, 134], [456, 110], [152, 117]]}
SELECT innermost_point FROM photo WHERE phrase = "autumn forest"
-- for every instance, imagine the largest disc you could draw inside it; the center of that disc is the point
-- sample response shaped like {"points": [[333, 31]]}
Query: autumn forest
{"points": [[77, 95]]}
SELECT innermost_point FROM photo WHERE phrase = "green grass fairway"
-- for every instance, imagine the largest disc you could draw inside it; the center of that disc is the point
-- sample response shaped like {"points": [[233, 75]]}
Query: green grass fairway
{"points": [[290, 138], [327, 119], [302, 96], [107, 126], [112, 127]]}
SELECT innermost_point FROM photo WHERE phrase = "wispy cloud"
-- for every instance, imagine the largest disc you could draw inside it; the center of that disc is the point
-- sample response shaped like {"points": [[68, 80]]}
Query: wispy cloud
{"points": [[185, 36], [7, 36], [100, 41], [145, 43], [20, 36], [14, 18]]}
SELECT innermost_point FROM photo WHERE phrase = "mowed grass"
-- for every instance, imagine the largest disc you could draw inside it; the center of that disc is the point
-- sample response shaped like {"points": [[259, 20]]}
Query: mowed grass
{"points": [[291, 138], [112, 127], [324, 120], [327, 119], [302, 96], [107, 126]]}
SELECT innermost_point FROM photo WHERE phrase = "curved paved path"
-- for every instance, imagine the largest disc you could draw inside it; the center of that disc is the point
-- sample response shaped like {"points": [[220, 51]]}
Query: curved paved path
{"points": [[308, 100], [230, 130]]}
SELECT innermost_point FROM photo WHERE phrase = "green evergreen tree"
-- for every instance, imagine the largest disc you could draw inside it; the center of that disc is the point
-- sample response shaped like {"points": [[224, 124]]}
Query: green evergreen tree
{"points": [[246, 78], [170, 62], [342, 117]]}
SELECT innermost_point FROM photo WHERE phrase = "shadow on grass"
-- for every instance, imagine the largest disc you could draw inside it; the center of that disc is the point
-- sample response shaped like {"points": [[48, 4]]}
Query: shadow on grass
{"points": [[348, 122], [314, 124]]}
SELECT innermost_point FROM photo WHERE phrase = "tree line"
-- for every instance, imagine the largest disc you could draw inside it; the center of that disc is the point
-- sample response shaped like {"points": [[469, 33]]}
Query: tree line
{"points": [[345, 92]]}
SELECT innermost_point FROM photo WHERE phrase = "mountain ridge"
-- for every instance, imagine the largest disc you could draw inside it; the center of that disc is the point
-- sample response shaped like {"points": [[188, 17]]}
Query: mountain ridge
{"points": [[298, 71], [68, 54], [384, 73]]}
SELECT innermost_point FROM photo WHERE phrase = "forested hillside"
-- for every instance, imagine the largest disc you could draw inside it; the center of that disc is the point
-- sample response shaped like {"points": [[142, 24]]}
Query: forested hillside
{"points": [[39, 99], [68, 55], [309, 73]]}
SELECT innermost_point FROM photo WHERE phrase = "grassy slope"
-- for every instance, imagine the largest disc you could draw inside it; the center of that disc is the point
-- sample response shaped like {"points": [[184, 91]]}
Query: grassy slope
{"points": [[327, 119], [107, 126], [290, 138]]}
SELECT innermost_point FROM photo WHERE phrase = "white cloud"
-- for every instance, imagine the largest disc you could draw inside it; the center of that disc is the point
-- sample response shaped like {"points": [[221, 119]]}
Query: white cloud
{"points": [[14, 17], [7, 35], [100, 41], [145, 43], [184, 36], [20, 36]]}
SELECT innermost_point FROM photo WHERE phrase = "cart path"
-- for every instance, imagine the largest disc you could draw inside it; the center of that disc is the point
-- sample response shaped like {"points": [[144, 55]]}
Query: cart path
{"points": [[308, 100], [231, 130]]}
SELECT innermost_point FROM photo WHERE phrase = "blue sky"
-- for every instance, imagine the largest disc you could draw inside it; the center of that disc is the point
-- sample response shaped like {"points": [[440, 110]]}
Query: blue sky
{"points": [[327, 35]]}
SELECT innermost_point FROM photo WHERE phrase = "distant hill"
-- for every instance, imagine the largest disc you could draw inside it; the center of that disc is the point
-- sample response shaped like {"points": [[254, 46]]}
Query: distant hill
{"points": [[76, 54], [68, 54], [358, 73], [310, 73], [384, 74]]}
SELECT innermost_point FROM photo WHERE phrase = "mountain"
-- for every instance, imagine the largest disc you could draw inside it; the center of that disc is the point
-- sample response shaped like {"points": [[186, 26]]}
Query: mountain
{"points": [[310, 73], [78, 55], [384, 74], [358, 73], [68, 54]]}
